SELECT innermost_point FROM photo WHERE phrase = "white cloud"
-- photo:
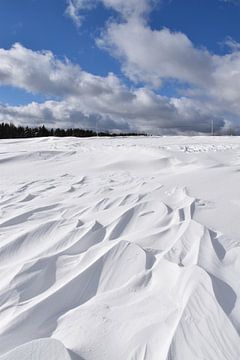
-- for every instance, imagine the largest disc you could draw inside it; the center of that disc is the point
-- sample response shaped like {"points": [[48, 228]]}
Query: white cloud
{"points": [[42, 72], [62, 114], [154, 57], [126, 8], [37, 71], [145, 111], [75, 7], [131, 8], [149, 57], [232, 44], [84, 99], [226, 86], [156, 54]]}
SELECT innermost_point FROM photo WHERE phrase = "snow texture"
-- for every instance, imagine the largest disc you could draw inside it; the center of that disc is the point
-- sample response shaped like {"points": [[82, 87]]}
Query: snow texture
{"points": [[120, 249]]}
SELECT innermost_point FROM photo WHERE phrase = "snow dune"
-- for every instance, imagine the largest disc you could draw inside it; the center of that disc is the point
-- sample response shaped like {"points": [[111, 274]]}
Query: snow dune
{"points": [[125, 248]]}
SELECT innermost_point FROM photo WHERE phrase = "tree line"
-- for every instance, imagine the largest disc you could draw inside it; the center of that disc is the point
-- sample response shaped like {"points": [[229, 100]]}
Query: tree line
{"points": [[10, 131]]}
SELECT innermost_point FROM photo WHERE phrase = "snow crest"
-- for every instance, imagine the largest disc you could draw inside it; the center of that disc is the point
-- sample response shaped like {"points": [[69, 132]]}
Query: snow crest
{"points": [[119, 249]]}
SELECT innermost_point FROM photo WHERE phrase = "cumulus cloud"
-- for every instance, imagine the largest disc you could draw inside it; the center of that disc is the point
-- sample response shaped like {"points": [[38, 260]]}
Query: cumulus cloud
{"points": [[232, 44], [42, 72], [62, 114], [159, 56], [75, 7], [144, 111], [154, 57], [86, 100], [156, 54], [127, 9], [131, 8], [149, 58]]}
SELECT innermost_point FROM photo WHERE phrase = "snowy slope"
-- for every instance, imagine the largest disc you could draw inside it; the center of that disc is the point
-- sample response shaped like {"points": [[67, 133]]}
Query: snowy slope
{"points": [[124, 249]]}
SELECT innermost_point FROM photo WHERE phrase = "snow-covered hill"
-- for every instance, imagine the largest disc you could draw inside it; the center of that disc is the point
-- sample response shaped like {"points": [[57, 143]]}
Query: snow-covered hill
{"points": [[120, 249]]}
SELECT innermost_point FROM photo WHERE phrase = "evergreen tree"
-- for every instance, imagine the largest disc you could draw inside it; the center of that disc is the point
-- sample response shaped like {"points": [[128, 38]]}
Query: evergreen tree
{"points": [[8, 131]]}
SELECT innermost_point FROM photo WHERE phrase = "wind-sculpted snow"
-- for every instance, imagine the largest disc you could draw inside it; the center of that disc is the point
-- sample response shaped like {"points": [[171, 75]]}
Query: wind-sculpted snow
{"points": [[41, 349], [124, 249]]}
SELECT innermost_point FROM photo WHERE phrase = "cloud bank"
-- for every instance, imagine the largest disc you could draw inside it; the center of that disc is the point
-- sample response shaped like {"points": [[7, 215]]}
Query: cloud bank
{"points": [[208, 85], [84, 99]]}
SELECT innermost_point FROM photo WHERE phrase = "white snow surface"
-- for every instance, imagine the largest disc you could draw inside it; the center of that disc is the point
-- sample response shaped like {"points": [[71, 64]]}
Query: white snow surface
{"points": [[120, 249]]}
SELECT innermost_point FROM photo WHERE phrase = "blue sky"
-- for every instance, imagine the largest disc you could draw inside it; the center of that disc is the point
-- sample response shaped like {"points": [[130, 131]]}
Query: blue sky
{"points": [[161, 66]]}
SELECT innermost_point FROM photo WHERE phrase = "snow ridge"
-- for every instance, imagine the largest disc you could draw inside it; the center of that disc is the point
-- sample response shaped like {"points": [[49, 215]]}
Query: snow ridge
{"points": [[103, 254]]}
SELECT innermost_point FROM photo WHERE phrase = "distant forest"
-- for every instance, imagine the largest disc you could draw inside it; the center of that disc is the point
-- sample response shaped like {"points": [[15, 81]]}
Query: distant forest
{"points": [[10, 131]]}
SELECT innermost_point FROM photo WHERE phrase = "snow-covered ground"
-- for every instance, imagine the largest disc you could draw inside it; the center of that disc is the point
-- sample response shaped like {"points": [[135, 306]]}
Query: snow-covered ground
{"points": [[120, 249]]}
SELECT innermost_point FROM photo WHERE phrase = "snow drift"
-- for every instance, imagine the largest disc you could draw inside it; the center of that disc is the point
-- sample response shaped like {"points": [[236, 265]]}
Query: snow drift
{"points": [[120, 249]]}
